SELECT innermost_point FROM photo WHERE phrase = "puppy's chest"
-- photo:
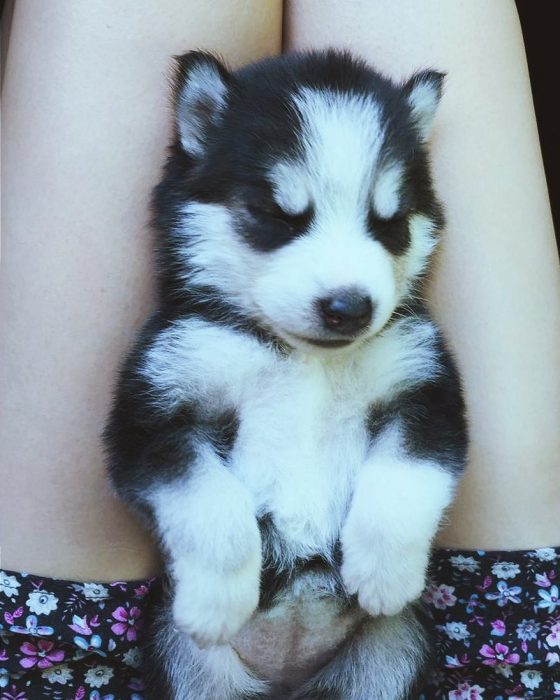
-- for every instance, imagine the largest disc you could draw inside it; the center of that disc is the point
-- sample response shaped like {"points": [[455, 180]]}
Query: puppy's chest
{"points": [[301, 438]]}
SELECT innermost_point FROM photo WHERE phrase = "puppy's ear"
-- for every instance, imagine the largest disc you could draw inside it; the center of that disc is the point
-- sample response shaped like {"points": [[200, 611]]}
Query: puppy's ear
{"points": [[423, 93], [200, 89]]}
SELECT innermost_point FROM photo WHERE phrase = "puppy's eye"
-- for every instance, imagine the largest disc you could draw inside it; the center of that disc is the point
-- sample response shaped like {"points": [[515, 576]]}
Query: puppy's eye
{"points": [[292, 220], [268, 227], [392, 233], [275, 214]]}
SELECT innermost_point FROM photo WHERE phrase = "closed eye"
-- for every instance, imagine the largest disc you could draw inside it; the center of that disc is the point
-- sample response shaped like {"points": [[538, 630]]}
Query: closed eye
{"points": [[268, 227], [271, 210], [392, 233]]}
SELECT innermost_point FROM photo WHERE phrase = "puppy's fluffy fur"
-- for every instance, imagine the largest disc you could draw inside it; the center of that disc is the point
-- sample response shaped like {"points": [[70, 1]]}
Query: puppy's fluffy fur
{"points": [[290, 420]]}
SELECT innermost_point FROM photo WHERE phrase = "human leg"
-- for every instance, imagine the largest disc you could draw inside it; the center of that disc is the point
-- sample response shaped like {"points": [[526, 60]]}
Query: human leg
{"points": [[495, 292], [496, 285], [84, 132]]}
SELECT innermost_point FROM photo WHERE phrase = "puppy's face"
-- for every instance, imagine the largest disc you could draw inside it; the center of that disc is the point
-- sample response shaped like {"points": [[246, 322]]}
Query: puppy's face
{"points": [[305, 197]]}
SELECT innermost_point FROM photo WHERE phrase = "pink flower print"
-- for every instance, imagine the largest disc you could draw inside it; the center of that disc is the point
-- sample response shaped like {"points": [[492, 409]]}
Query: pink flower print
{"points": [[82, 626], [12, 694], [505, 595], [455, 662], [498, 655], [43, 654], [553, 639], [440, 597], [466, 691], [10, 617], [128, 622], [119, 584], [136, 684], [543, 580], [428, 594], [498, 628], [474, 603]]}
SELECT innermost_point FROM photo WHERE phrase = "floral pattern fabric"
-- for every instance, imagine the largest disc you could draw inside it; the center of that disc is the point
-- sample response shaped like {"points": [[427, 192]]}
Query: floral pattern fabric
{"points": [[496, 619], [70, 641]]}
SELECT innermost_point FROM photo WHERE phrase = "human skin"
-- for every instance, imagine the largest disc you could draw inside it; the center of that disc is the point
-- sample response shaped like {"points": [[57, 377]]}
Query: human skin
{"points": [[85, 129], [86, 124], [495, 289]]}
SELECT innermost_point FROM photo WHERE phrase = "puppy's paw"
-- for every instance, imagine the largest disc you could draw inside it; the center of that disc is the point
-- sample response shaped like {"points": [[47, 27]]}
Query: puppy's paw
{"points": [[384, 573], [211, 607]]}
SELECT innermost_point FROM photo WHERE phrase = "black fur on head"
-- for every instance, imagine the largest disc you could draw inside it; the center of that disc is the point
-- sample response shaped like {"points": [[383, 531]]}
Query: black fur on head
{"points": [[234, 127]]}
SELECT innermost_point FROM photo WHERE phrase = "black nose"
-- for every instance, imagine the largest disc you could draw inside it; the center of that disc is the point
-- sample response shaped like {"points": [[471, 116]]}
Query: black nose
{"points": [[346, 312]]}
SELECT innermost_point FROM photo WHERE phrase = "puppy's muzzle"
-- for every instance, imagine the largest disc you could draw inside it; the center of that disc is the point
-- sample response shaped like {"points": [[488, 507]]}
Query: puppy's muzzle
{"points": [[346, 312]]}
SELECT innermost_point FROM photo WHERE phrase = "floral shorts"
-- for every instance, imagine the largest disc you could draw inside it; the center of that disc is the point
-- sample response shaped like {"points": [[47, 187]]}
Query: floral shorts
{"points": [[70, 641], [496, 620]]}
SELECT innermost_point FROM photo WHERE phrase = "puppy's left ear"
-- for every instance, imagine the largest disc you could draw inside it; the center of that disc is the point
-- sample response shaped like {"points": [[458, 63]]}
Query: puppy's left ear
{"points": [[201, 88], [423, 93]]}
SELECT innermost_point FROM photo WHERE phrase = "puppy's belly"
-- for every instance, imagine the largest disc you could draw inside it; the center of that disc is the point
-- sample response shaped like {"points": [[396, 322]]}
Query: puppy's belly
{"points": [[291, 641]]}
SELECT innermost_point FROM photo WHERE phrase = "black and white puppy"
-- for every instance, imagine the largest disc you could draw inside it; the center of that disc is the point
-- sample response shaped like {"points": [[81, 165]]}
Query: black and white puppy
{"points": [[291, 421]]}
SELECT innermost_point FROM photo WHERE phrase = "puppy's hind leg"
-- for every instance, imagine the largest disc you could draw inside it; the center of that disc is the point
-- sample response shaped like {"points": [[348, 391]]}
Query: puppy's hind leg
{"points": [[175, 668], [383, 660]]}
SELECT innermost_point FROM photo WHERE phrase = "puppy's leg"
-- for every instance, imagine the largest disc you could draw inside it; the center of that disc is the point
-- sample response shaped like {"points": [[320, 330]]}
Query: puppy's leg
{"points": [[176, 668], [396, 508], [384, 660], [209, 530]]}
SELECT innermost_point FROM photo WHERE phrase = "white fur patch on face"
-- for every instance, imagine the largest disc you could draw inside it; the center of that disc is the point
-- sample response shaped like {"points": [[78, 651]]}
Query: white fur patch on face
{"points": [[331, 256], [289, 187], [341, 138], [423, 240], [338, 174], [386, 192], [215, 253]]}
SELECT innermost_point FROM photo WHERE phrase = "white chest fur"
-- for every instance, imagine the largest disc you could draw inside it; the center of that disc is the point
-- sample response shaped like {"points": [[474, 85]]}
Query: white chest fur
{"points": [[302, 418], [302, 436]]}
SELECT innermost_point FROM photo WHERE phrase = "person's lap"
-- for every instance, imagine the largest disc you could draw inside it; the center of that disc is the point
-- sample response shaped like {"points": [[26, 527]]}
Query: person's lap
{"points": [[494, 617], [85, 126], [496, 287], [88, 138]]}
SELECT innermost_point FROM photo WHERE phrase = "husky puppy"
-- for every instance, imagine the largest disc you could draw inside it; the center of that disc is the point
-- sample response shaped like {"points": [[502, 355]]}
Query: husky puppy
{"points": [[290, 421]]}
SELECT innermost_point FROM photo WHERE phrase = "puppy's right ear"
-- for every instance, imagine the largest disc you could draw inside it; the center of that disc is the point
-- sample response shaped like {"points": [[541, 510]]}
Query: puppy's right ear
{"points": [[200, 87]]}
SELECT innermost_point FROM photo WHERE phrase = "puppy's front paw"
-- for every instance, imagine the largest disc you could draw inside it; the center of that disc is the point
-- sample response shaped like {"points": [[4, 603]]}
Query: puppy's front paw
{"points": [[384, 573], [211, 607]]}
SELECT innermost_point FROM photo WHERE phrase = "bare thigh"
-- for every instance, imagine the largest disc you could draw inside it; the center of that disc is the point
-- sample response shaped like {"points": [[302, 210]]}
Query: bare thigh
{"points": [[85, 128], [496, 287]]}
